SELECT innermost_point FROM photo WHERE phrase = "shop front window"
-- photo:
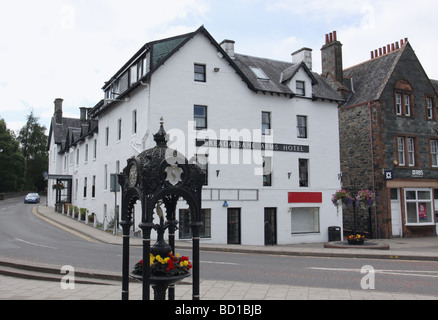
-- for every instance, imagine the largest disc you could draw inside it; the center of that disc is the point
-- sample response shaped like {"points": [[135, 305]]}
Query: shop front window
{"points": [[419, 208], [305, 220]]}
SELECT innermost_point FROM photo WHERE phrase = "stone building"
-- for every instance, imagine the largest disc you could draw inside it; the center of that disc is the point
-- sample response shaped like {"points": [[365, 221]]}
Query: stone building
{"points": [[388, 138]]}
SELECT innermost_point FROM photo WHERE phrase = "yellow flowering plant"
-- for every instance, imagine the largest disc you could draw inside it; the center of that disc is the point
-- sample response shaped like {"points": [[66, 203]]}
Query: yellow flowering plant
{"points": [[168, 266], [356, 238]]}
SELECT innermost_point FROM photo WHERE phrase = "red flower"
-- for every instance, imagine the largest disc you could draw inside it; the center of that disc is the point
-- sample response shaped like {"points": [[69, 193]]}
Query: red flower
{"points": [[170, 265]]}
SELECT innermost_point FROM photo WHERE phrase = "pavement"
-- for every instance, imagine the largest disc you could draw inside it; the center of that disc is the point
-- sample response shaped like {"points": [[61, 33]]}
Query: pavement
{"points": [[43, 282]]}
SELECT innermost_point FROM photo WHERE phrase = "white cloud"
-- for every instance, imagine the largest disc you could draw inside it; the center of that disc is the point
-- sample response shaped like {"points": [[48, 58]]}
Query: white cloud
{"points": [[15, 126], [321, 9], [389, 22], [366, 25], [68, 49]]}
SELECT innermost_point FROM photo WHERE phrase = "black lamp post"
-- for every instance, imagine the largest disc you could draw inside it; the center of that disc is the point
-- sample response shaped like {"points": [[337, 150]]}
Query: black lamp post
{"points": [[155, 177]]}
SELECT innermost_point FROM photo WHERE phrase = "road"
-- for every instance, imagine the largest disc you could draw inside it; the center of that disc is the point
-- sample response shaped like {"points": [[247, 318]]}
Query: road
{"points": [[24, 236]]}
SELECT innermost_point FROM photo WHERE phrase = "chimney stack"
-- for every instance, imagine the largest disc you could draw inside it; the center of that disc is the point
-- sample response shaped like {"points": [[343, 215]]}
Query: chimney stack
{"points": [[332, 66], [83, 113], [303, 55], [228, 46], [58, 111]]}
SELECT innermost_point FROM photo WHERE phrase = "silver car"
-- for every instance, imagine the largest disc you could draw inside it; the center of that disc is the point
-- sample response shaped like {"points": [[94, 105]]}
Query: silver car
{"points": [[32, 198]]}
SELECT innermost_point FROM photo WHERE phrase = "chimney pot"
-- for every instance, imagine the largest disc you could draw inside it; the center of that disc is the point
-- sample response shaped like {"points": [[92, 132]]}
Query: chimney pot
{"points": [[327, 39], [335, 37], [372, 55], [406, 40], [392, 47], [397, 46]]}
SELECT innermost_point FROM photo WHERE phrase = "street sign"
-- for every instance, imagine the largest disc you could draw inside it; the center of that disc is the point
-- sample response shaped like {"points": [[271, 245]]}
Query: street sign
{"points": [[389, 175], [114, 183]]}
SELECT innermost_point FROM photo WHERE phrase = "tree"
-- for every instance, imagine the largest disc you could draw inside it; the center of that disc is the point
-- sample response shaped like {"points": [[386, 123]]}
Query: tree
{"points": [[12, 161], [33, 142]]}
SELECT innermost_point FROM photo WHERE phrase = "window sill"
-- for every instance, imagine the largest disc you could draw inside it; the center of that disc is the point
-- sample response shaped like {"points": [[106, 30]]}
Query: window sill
{"points": [[316, 233]]}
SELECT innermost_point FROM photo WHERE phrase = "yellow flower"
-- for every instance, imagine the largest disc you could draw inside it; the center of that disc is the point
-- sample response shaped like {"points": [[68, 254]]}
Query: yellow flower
{"points": [[186, 263]]}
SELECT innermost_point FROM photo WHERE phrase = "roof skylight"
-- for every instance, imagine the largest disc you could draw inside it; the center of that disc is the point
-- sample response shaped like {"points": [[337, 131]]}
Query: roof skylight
{"points": [[259, 73]]}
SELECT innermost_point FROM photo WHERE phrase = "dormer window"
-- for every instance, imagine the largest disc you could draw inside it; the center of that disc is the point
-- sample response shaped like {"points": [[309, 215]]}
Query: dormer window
{"points": [[133, 72], [300, 88], [259, 73]]}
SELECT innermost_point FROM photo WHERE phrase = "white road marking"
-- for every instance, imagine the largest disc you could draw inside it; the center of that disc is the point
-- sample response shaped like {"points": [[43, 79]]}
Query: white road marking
{"points": [[412, 273], [35, 244], [221, 263]]}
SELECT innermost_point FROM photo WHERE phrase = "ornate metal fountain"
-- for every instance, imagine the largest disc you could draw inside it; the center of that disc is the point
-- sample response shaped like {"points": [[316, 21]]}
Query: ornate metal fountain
{"points": [[160, 176]]}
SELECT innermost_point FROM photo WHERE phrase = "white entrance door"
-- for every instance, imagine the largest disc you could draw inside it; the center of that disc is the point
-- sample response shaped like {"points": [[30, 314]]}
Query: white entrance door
{"points": [[396, 213]]}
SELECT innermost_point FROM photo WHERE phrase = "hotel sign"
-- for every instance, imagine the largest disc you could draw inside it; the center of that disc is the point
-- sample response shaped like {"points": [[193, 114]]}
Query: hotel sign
{"points": [[253, 146]]}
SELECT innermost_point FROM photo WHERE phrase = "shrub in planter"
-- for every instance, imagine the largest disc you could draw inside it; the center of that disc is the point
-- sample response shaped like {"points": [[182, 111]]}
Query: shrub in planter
{"points": [[83, 213], [76, 211]]}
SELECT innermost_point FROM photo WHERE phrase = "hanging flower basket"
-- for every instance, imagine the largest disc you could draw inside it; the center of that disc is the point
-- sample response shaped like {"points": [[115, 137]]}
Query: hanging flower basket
{"points": [[58, 186], [342, 198], [366, 199]]}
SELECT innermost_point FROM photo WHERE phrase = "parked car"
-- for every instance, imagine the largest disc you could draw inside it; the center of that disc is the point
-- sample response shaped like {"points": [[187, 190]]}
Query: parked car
{"points": [[32, 198]]}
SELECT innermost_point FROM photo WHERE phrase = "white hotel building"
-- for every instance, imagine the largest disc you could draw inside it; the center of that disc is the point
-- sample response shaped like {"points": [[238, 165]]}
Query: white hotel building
{"points": [[268, 129]]}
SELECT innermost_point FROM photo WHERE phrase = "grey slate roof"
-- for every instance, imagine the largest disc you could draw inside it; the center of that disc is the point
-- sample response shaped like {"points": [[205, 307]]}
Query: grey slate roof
{"points": [[324, 91], [368, 79], [60, 130], [71, 131], [271, 68], [435, 85], [279, 72]]}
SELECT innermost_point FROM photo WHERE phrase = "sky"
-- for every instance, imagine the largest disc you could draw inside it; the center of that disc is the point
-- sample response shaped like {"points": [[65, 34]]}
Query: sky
{"points": [[68, 48]]}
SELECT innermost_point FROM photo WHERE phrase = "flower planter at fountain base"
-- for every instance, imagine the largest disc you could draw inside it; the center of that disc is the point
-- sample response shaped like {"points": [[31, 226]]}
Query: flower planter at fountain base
{"points": [[161, 284], [359, 242], [366, 245]]}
